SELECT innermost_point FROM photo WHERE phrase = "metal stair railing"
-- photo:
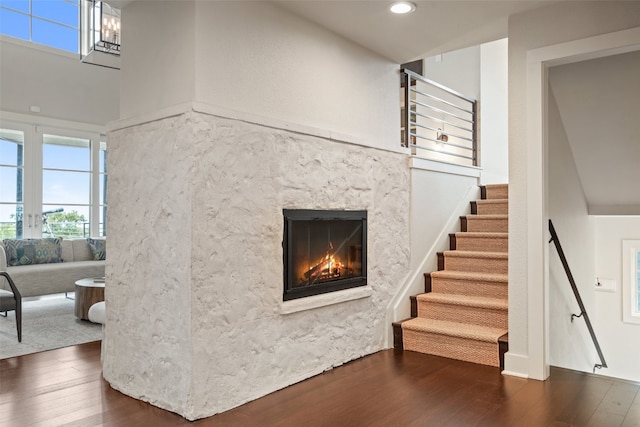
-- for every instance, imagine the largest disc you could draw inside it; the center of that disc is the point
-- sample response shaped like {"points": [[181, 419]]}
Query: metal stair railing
{"points": [[438, 123], [576, 293]]}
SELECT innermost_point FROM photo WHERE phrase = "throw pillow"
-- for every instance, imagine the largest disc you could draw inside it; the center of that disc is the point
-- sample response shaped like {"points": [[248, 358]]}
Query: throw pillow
{"points": [[33, 251], [98, 248]]}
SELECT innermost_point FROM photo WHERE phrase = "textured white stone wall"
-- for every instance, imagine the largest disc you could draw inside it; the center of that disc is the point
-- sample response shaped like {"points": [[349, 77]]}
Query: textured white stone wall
{"points": [[217, 277], [147, 341]]}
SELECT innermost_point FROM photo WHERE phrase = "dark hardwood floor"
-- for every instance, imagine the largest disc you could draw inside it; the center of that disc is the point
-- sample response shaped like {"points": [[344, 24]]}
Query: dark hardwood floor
{"points": [[390, 388]]}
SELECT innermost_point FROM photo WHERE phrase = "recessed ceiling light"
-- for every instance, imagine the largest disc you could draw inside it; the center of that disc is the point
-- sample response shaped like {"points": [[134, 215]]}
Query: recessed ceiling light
{"points": [[402, 7]]}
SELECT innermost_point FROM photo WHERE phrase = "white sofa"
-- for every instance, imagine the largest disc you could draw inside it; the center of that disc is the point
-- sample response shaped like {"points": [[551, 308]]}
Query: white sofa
{"points": [[43, 279]]}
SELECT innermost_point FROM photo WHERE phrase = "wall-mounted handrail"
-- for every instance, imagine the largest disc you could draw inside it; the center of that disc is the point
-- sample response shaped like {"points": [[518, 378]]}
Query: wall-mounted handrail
{"points": [[576, 293], [430, 111]]}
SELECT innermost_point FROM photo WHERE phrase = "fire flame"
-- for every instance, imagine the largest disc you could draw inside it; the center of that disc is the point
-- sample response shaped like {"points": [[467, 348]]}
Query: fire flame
{"points": [[327, 268]]}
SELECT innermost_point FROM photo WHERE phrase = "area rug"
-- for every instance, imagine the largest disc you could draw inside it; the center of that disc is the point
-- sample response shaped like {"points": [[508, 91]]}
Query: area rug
{"points": [[47, 323]]}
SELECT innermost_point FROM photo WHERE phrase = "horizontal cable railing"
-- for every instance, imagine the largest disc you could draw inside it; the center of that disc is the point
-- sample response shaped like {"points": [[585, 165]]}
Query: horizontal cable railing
{"points": [[576, 293], [438, 123]]}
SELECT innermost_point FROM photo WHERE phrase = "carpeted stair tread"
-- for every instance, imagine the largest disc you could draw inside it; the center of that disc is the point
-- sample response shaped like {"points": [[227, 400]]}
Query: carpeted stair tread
{"points": [[454, 329], [482, 235], [489, 217], [495, 191], [495, 223], [467, 283], [464, 300], [476, 255], [490, 207], [474, 261], [479, 241], [466, 275], [492, 201]]}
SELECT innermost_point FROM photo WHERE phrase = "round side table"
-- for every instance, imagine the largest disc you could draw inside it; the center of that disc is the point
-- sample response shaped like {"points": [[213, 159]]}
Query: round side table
{"points": [[88, 292]]}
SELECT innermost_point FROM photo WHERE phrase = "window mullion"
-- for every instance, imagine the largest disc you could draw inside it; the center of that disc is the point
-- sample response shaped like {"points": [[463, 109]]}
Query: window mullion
{"points": [[33, 182], [94, 219]]}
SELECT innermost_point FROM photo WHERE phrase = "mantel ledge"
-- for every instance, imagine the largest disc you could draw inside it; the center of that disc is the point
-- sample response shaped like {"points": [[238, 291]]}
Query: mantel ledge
{"points": [[323, 300]]}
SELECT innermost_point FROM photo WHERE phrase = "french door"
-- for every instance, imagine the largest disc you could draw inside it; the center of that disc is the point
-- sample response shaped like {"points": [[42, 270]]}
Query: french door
{"points": [[53, 182]]}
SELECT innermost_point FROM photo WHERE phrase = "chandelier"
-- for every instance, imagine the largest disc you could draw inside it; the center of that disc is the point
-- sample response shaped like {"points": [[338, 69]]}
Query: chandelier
{"points": [[100, 34]]}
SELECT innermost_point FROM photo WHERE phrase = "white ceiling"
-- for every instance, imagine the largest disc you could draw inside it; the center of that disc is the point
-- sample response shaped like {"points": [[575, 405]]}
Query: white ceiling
{"points": [[598, 103], [435, 26]]}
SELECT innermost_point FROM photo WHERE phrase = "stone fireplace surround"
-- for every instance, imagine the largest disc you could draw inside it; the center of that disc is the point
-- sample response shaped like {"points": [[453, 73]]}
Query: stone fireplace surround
{"points": [[195, 318]]}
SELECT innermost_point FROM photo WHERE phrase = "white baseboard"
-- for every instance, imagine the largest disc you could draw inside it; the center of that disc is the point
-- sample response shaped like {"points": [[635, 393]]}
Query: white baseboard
{"points": [[516, 365]]}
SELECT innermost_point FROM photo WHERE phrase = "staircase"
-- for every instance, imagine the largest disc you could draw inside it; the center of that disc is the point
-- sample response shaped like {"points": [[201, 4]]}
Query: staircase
{"points": [[463, 312]]}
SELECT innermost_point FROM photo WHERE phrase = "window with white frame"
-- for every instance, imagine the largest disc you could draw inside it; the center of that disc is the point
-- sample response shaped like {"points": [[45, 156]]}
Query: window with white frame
{"points": [[52, 23], [631, 281], [53, 182]]}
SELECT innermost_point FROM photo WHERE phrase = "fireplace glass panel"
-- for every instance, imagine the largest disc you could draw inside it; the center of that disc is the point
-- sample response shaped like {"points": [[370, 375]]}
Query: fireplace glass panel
{"points": [[325, 251]]}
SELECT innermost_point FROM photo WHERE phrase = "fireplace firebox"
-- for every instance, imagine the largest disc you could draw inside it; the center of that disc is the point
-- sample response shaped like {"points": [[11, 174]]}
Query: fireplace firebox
{"points": [[324, 251]]}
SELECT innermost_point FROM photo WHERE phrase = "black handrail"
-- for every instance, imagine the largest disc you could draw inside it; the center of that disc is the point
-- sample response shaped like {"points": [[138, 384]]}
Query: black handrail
{"points": [[583, 310]]}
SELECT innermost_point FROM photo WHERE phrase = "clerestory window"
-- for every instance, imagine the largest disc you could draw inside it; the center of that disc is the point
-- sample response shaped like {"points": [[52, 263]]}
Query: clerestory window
{"points": [[53, 23]]}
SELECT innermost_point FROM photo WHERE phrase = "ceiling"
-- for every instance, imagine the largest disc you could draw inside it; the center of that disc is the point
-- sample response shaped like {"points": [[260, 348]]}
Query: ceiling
{"points": [[598, 104], [435, 26]]}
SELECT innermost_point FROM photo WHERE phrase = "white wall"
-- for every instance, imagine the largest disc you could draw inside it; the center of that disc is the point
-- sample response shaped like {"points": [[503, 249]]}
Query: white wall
{"points": [[481, 72], [458, 70], [57, 82], [606, 149], [158, 56], [435, 197], [620, 341], [494, 112], [541, 27], [261, 60], [570, 344]]}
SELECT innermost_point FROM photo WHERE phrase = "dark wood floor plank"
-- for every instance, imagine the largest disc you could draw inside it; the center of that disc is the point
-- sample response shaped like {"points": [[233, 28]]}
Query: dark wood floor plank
{"points": [[390, 388], [619, 398], [517, 406], [590, 392]]}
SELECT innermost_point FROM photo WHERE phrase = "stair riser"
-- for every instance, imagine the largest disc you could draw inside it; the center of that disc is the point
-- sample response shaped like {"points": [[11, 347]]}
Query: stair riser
{"points": [[478, 265], [495, 192], [469, 288], [463, 314], [479, 208], [479, 244], [483, 225], [452, 347]]}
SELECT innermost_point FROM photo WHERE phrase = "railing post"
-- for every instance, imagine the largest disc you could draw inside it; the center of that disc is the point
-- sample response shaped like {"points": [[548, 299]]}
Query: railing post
{"points": [[474, 137], [406, 113]]}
